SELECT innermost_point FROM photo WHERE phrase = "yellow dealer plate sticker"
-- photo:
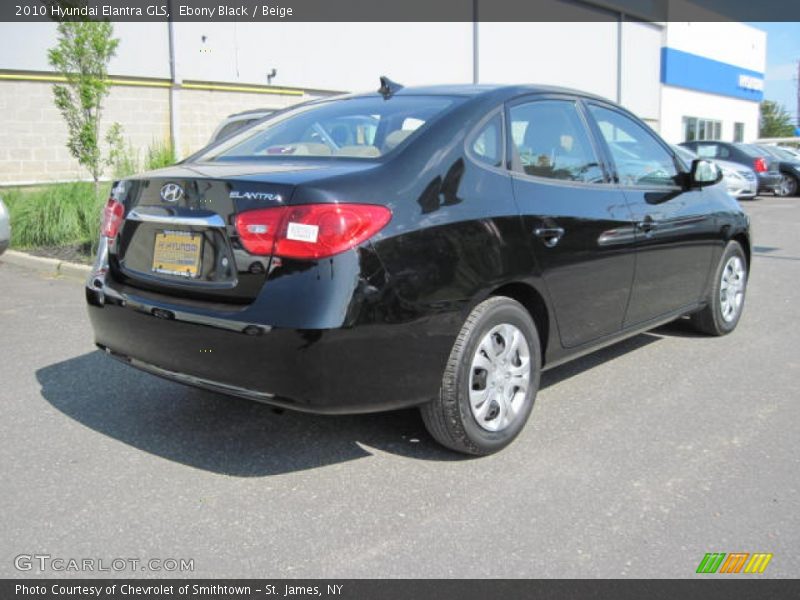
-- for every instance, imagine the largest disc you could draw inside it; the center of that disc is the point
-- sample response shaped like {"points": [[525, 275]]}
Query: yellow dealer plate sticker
{"points": [[177, 253]]}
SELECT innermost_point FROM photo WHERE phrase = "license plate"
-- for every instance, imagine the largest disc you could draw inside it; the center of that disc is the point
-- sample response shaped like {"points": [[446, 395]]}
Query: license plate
{"points": [[177, 253]]}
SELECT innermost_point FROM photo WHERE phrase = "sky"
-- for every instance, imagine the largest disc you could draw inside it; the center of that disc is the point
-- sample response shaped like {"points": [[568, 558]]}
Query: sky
{"points": [[783, 53]]}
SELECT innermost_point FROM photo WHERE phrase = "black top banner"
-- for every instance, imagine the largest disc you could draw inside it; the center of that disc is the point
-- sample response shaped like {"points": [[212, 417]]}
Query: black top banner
{"points": [[399, 10]]}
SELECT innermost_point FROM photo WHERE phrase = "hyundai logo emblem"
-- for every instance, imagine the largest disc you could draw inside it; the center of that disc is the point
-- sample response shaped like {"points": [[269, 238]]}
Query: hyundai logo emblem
{"points": [[171, 192]]}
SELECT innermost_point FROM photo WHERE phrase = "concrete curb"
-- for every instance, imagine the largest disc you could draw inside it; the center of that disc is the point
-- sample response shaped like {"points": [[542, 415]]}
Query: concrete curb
{"points": [[51, 266]]}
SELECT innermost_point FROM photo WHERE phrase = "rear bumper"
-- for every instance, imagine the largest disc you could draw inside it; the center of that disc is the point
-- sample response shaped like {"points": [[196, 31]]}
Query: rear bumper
{"points": [[365, 368], [767, 182]]}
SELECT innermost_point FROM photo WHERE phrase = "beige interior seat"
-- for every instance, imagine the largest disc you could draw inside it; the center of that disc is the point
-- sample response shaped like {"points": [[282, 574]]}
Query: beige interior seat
{"points": [[395, 138], [356, 150]]}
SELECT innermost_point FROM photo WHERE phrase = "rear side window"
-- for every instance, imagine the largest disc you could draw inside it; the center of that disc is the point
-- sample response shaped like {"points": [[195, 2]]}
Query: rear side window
{"points": [[551, 141], [364, 127], [708, 151], [486, 146], [639, 158]]}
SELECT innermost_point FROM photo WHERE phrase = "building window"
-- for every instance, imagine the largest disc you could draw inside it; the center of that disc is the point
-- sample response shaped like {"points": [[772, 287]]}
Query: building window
{"points": [[695, 129], [738, 132]]}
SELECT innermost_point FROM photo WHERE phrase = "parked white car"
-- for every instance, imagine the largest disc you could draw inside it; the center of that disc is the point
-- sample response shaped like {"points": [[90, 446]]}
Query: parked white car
{"points": [[740, 180], [5, 227]]}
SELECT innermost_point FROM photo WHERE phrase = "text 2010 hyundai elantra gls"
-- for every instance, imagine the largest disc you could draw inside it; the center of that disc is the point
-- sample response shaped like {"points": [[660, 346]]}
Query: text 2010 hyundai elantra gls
{"points": [[436, 247]]}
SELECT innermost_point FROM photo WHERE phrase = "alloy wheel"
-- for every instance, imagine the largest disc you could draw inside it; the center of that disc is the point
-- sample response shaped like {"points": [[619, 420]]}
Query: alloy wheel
{"points": [[499, 377], [732, 286]]}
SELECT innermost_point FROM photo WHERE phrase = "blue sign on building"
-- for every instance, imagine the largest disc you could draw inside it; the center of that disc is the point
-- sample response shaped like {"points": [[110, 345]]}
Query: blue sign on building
{"points": [[682, 69]]}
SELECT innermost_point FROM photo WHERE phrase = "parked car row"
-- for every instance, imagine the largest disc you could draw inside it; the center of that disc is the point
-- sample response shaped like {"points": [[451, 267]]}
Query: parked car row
{"points": [[777, 170]]}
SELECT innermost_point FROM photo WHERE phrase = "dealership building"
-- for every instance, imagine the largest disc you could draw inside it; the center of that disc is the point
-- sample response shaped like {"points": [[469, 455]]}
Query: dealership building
{"points": [[688, 80]]}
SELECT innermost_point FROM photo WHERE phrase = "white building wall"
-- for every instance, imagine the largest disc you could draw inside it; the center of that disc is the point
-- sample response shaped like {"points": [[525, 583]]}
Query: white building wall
{"points": [[677, 103], [733, 43], [576, 55], [143, 50], [641, 56], [326, 56]]}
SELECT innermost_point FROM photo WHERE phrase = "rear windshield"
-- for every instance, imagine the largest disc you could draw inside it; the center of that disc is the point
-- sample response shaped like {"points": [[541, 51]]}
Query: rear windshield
{"points": [[356, 127], [753, 151], [784, 154]]}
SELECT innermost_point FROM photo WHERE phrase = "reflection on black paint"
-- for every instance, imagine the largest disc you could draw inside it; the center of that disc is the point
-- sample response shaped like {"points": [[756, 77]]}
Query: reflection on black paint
{"points": [[440, 192]]}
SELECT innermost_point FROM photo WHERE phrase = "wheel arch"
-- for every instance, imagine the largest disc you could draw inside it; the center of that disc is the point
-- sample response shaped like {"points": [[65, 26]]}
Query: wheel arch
{"points": [[535, 304], [744, 242]]}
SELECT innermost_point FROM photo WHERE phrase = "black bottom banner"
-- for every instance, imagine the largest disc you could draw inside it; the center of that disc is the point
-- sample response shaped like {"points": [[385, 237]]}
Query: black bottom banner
{"points": [[391, 589]]}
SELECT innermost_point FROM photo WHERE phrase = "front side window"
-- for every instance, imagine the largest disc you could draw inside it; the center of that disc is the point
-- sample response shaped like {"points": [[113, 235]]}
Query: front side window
{"points": [[551, 141], [363, 127], [639, 158]]}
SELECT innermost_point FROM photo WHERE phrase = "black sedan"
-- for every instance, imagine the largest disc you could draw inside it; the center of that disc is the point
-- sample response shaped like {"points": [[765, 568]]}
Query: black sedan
{"points": [[789, 167], [435, 247], [764, 165]]}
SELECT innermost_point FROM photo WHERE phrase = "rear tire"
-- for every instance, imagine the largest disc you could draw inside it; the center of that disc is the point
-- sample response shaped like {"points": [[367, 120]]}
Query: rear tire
{"points": [[726, 302], [490, 381]]}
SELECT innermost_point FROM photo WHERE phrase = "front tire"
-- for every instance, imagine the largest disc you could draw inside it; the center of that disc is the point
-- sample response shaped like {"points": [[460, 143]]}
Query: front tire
{"points": [[726, 302], [490, 381]]}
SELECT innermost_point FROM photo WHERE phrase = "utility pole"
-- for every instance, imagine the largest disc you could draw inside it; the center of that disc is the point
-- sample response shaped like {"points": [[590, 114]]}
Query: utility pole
{"points": [[797, 81]]}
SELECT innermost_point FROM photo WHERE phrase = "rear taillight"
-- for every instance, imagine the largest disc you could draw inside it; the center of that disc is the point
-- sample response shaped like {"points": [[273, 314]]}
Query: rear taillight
{"points": [[760, 165], [112, 218], [309, 231]]}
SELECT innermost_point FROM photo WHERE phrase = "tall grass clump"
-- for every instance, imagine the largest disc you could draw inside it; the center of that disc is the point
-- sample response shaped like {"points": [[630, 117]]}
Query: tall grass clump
{"points": [[56, 215], [159, 155]]}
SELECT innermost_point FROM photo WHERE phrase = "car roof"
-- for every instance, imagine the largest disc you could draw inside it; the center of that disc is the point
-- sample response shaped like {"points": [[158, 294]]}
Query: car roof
{"points": [[473, 90]]}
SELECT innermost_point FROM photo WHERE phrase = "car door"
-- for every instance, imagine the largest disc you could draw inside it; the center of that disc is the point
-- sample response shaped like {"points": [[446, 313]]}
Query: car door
{"points": [[580, 227], [674, 225]]}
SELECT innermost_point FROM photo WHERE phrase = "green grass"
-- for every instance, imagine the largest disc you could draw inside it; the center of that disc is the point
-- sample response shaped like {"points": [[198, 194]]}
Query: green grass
{"points": [[159, 154], [65, 214]]}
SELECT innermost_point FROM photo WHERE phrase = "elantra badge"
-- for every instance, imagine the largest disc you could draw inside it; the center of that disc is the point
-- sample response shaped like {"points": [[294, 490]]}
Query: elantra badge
{"points": [[237, 195], [171, 192]]}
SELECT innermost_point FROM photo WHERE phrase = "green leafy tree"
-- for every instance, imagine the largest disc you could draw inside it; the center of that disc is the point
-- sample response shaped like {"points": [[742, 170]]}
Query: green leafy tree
{"points": [[81, 56], [775, 121]]}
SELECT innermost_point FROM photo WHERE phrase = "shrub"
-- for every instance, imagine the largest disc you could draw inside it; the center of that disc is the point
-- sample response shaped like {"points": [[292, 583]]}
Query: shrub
{"points": [[122, 157], [65, 214], [159, 155]]}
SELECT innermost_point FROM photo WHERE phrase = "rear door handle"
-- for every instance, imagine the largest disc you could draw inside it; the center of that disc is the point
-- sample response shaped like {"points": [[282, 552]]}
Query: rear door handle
{"points": [[550, 236]]}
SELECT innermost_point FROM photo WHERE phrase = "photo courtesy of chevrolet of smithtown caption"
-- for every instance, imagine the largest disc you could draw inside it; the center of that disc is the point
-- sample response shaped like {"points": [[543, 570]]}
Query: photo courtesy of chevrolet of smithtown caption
{"points": [[435, 247]]}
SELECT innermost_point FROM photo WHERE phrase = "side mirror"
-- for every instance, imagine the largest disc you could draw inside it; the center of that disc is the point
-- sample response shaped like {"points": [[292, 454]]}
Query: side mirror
{"points": [[704, 172]]}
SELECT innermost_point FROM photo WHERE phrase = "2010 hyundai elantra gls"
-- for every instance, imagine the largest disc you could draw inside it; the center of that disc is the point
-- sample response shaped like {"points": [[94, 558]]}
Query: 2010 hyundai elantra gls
{"points": [[435, 247]]}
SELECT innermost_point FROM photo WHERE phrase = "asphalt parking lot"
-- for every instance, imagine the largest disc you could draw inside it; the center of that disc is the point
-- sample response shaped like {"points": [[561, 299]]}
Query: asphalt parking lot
{"points": [[638, 459]]}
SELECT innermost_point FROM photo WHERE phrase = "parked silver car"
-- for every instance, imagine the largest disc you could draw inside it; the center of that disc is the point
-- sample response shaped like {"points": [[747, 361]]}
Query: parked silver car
{"points": [[5, 227], [740, 180], [236, 122]]}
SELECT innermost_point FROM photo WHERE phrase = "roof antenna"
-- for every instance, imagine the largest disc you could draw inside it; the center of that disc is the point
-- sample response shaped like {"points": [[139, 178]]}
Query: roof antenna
{"points": [[388, 87]]}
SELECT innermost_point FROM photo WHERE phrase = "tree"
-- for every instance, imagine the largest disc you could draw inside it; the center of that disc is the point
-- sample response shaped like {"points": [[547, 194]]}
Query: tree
{"points": [[775, 121], [81, 55]]}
